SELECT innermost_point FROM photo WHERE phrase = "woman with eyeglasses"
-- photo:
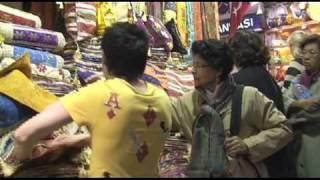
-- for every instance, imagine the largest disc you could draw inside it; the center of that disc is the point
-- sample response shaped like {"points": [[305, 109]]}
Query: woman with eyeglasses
{"points": [[204, 115], [302, 101]]}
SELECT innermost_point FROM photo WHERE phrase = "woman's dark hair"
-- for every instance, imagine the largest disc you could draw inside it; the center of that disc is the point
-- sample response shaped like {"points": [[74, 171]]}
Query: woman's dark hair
{"points": [[313, 38], [216, 53], [125, 48], [249, 49]]}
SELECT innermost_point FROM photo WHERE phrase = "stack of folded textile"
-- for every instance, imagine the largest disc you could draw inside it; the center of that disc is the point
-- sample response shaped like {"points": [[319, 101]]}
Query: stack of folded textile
{"points": [[175, 157], [43, 47], [179, 82], [30, 62], [69, 52], [159, 54], [89, 66]]}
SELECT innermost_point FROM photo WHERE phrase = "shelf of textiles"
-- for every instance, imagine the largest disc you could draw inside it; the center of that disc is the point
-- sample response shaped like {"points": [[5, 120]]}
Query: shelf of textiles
{"points": [[43, 47], [174, 81], [174, 158], [31, 63]]}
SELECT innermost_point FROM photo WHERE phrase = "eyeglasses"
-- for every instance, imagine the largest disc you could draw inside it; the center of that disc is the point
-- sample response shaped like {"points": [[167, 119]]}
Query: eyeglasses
{"points": [[200, 66], [312, 52]]}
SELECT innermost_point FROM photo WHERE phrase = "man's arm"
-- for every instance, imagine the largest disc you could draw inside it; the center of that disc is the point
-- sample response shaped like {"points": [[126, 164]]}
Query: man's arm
{"points": [[39, 126]]}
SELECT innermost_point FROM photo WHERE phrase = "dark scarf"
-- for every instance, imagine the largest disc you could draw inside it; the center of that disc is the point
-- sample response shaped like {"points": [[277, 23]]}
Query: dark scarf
{"points": [[223, 95], [208, 158], [308, 77]]}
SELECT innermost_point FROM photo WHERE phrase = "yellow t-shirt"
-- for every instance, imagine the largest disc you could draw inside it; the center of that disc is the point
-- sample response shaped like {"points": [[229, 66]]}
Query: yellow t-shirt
{"points": [[128, 129]]}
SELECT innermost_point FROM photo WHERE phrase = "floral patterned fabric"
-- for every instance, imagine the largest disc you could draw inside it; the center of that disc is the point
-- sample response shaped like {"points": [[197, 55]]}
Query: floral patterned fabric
{"points": [[162, 37], [36, 56], [32, 37]]}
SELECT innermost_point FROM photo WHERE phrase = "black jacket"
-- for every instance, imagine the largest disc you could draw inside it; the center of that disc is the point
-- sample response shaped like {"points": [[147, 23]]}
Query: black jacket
{"points": [[260, 78]]}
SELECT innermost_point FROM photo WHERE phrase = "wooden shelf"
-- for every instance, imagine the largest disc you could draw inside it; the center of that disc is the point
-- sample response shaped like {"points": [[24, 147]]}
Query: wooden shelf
{"points": [[294, 26]]}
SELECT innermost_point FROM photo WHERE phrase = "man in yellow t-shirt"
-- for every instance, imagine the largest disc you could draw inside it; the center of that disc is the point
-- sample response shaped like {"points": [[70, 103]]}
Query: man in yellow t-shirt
{"points": [[128, 119]]}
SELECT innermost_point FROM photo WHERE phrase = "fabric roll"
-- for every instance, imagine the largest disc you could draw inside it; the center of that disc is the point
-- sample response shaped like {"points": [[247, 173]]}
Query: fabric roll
{"points": [[181, 22], [105, 16], [197, 20], [154, 9], [190, 27], [209, 20], [15, 16], [32, 37], [36, 56]]}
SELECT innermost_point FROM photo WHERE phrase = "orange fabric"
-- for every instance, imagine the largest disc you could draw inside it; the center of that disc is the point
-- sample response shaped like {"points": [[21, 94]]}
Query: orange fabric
{"points": [[197, 21]]}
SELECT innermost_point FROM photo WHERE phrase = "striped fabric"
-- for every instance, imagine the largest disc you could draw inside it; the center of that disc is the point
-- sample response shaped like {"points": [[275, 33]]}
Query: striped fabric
{"points": [[295, 68], [32, 37], [15, 16], [80, 18], [58, 88], [179, 83], [155, 75]]}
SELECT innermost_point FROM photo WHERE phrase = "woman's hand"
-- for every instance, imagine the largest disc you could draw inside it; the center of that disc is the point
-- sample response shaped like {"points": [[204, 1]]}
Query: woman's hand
{"points": [[309, 105], [235, 146]]}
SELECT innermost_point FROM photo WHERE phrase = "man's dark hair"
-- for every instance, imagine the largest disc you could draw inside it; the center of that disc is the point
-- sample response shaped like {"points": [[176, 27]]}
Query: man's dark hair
{"points": [[216, 53], [249, 49], [313, 38], [125, 48]]}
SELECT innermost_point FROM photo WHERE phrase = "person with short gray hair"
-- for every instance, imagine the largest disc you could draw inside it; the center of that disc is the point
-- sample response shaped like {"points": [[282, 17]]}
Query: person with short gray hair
{"points": [[295, 67]]}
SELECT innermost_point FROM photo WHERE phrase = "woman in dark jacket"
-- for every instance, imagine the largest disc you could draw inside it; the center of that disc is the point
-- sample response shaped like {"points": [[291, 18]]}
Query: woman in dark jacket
{"points": [[251, 57]]}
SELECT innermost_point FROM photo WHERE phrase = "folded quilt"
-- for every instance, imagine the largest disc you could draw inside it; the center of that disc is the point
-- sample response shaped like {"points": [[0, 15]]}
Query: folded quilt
{"points": [[22, 64], [36, 56], [32, 37], [23, 88], [51, 73], [80, 18], [16, 16]]}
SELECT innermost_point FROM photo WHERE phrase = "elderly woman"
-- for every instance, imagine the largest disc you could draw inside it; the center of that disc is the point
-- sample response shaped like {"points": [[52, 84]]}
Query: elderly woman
{"points": [[307, 162], [251, 58], [296, 66], [261, 128]]}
